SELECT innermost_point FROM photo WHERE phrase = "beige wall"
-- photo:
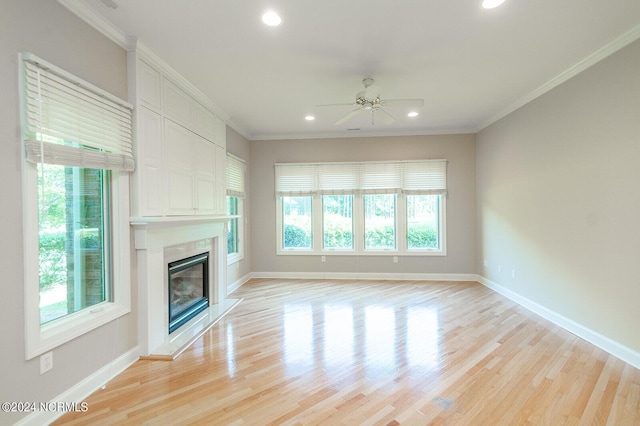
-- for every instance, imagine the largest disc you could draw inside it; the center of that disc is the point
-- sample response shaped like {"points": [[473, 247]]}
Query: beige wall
{"points": [[48, 30], [240, 147], [459, 150], [559, 199]]}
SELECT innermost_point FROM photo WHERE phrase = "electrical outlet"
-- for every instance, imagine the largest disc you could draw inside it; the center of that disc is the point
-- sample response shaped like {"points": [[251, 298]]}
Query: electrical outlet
{"points": [[323, 259], [513, 273], [499, 268], [486, 263], [46, 362], [395, 259]]}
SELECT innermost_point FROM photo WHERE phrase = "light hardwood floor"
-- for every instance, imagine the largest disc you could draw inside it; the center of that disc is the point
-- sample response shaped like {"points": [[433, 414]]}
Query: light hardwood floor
{"points": [[380, 353]]}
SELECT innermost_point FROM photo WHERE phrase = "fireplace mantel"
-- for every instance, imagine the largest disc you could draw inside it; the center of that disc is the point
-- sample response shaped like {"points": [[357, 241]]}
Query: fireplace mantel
{"points": [[152, 235], [154, 221]]}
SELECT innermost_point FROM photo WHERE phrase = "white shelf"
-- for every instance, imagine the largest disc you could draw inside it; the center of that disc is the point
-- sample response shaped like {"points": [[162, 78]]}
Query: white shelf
{"points": [[177, 220]]}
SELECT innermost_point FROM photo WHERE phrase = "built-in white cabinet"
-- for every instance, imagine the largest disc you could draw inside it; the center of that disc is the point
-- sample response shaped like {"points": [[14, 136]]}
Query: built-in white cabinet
{"points": [[149, 163], [221, 180], [189, 172], [183, 109], [148, 85], [180, 146]]}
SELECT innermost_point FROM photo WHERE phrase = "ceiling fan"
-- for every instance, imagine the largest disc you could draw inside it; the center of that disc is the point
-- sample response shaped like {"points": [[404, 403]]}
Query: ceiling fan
{"points": [[369, 100]]}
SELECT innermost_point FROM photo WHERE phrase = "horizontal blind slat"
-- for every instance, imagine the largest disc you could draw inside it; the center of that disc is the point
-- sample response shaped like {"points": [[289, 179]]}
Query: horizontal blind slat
{"points": [[75, 122]]}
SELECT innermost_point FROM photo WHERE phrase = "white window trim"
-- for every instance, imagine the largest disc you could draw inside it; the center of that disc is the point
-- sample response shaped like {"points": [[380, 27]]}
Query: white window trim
{"points": [[42, 338], [239, 255], [358, 229]]}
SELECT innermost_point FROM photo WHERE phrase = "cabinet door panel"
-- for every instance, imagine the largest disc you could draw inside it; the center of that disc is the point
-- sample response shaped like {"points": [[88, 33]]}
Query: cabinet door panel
{"points": [[221, 133], [205, 175], [149, 85], [178, 169], [149, 163], [221, 180], [204, 122], [177, 104], [180, 192]]}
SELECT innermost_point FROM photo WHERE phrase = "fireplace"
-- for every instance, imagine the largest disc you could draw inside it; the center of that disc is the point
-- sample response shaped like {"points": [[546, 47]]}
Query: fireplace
{"points": [[161, 242], [188, 289]]}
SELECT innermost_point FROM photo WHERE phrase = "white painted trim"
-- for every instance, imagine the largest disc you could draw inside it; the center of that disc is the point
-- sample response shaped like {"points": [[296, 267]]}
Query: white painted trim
{"points": [[238, 283], [84, 388], [131, 43], [616, 349], [366, 276], [97, 21], [167, 70], [354, 134], [605, 51]]}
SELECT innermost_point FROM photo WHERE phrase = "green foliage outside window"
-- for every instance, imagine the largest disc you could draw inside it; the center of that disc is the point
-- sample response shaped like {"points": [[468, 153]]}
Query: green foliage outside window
{"points": [[296, 237], [422, 237]]}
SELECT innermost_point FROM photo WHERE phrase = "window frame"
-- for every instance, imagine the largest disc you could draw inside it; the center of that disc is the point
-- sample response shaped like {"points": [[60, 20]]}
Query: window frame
{"points": [[358, 231], [235, 184], [238, 255], [40, 338], [400, 177], [315, 223], [323, 220]]}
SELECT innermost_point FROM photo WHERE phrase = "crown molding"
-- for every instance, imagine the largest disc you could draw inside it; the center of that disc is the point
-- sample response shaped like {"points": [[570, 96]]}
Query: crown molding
{"points": [[359, 134], [133, 44], [97, 21], [157, 62], [600, 54]]}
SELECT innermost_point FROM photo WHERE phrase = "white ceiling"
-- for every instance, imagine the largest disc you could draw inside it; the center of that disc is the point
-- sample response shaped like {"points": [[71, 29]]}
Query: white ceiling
{"points": [[470, 65]]}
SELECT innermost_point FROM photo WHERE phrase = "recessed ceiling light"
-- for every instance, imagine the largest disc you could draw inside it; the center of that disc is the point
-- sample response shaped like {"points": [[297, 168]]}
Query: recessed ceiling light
{"points": [[271, 18], [413, 114], [490, 4], [309, 118]]}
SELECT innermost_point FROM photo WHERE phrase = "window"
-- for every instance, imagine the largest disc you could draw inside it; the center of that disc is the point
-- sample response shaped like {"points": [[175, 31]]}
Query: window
{"points": [[361, 208], [235, 207], [379, 222], [423, 222], [337, 222], [233, 243], [78, 151], [74, 243], [297, 231]]}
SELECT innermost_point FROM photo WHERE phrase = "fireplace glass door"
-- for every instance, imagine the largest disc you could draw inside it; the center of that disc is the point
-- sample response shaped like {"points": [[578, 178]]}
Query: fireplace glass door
{"points": [[188, 289]]}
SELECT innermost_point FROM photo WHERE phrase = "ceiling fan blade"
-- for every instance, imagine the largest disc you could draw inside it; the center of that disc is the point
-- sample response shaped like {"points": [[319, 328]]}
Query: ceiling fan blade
{"points": [[386, 117], [403, 102], [348, 116], [332, 105]]}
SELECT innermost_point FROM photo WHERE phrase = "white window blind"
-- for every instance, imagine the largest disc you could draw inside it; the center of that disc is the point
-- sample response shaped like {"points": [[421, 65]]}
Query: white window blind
{"points": [[235, 176], [73, 123], [424, 177], [378, 177], [338, 178], [296, 179], [381, 177]]}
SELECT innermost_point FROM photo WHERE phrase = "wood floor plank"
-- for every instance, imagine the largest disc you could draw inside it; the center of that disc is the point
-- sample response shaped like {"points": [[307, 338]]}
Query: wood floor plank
{"points": [[306, 352]]}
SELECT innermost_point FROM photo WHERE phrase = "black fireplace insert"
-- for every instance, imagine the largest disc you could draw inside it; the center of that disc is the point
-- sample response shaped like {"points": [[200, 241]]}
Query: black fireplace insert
{"points": [[188, 289]]}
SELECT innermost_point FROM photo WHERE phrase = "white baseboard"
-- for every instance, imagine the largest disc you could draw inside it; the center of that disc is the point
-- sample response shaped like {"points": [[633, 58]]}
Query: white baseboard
{"points": [[616, 349], [86, 387], [238, 283], [365, 276]]}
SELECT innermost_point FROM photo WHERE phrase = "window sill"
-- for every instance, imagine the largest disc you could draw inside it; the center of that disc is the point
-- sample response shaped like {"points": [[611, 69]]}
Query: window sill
{"points": [[234, 258], [361, 253]]}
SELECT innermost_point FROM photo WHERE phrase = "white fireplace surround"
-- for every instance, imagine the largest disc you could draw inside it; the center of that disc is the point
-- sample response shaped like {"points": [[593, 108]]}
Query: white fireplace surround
{"points": [[159, 241]]}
